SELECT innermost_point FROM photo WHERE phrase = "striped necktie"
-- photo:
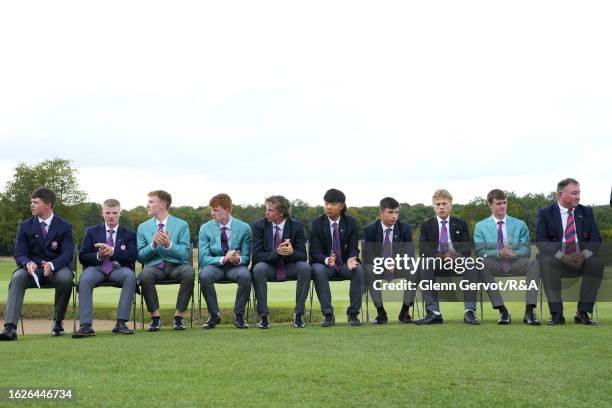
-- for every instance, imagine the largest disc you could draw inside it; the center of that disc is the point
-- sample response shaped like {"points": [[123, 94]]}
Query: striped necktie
{"points": [[570, 233], [107, 264], [504, 263]]}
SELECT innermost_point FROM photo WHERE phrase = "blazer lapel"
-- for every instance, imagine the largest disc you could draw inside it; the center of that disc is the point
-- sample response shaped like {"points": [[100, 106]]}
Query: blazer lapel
{"points": [[558, 222], [435, 231], [379, 232], [326, 231], [287, 230], [268, 235], [578, 220], [118, 236], [342, 232], [51, 231]]}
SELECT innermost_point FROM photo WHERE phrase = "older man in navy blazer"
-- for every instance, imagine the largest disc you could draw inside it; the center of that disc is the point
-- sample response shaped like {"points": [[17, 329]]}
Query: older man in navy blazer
{"points": [[43, 252], [279, 253], [108, 254], [568, 241], [334, 252]]}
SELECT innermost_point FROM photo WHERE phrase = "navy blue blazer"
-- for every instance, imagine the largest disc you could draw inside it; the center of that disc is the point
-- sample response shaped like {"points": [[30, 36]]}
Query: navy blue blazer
{"points": [[125, 253], [57, 247], [549, 229], [402, 240], [263, 242], [320, 241], [458, 231]]}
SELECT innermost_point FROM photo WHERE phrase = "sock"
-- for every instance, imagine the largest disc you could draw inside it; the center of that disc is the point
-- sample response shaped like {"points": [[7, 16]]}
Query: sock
{"points": [[381, 310], [121, 321], [405, 307], [155, 318], [529, 308], [502, 309], [10, 325]]}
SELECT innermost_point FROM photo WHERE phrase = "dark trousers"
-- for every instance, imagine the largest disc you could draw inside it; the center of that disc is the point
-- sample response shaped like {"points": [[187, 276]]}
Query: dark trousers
{"points": [[21, 280], [299, 271], [235, 273], [150, 275], [322, 274], [430, 297], [553, 270]]}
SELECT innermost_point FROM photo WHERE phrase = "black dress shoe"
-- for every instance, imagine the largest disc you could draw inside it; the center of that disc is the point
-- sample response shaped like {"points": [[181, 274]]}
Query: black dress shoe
{"points": [[179, 323], [121, 328], [57, 329], [9, 333], [504, 318], [84, 331], [298, 321], [239, 322], [155, 325], [584, 318], [381, 319], [353, 320], [212, 321], [404, 316], [556, 320], [329, 320], [431, 318], [264, 323], [470, 317], [530, 319]]}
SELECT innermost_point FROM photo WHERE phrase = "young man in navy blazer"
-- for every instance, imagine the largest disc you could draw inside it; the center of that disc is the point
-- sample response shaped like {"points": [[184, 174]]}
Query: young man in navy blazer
{"points": [[568, 241], [43, 251], [279, 253], [387, 237], [108, 254], [445, 237], [334, 253]]}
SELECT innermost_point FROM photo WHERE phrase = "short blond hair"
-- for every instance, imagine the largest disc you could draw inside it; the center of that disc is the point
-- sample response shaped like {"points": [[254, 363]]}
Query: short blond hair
{"points": [[111, 203], [441, 193]]}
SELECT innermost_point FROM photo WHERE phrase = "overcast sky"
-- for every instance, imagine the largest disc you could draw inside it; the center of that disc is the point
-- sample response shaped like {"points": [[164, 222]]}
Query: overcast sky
{"points": [[257, 97]]}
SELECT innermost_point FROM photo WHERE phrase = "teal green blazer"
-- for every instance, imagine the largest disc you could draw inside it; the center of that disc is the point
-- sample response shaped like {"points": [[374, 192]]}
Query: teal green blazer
{"points": [[485, 237], [179, 235], [209, 243]]}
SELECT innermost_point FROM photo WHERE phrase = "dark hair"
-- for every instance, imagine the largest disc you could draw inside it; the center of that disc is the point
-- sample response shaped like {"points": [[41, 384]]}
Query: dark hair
{"points": [[496, 194], [47, 196], [564, 183], [221, 200], [389, 202], [163, 196], [280, 203], [335, 196]]}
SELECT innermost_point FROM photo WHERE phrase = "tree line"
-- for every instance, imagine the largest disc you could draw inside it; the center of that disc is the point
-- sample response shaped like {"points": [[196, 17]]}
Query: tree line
{"points": [[72, 204]]}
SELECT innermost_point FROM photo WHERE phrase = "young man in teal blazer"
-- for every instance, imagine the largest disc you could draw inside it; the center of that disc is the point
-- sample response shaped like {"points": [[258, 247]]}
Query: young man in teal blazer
{"points": [[163, 247], [224, 254], [503, 242]]}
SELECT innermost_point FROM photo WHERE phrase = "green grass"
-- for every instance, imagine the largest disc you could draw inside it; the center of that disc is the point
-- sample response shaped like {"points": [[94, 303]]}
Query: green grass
{"points": [[394, 365]]}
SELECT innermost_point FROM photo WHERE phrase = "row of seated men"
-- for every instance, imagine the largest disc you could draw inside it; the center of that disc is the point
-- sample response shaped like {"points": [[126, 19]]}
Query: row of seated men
{"points": [[566, 234]]}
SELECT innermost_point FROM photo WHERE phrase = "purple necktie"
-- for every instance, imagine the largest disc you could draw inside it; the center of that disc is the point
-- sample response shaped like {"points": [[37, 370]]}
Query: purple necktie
{"points": [[504, 263], [444, 238], [570, 233], [336, 247], [224, 241], [107, 264], [387, 253], [162, 264], [281, 274], [43, 227]]}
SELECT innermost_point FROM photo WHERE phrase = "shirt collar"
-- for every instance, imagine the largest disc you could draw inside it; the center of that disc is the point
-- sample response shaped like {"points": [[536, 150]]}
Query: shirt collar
{"points": [[331, 222], [165, 222], [495, 220], [116, 228], [440, 220], [47, 221], [384, 227], [228, 225], [564, 210], [281, 225]]}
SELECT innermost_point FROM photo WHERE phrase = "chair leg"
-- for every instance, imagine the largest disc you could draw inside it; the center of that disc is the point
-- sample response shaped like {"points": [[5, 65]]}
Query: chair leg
{"points": [[311, 294], [192, 310], [367, 296], [199, 300], [74, 295], [22, 329], [541, 299], [481, 308], [134, 310], [141, 310]]}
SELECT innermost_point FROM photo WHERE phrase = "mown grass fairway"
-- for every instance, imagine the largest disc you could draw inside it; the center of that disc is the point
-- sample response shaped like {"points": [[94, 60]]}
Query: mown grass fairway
{"points": [[394, 365]]}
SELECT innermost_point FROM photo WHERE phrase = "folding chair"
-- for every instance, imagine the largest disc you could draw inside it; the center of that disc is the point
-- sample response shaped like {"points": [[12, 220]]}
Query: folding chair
{"points": [[73, 267], [167, 282]]}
